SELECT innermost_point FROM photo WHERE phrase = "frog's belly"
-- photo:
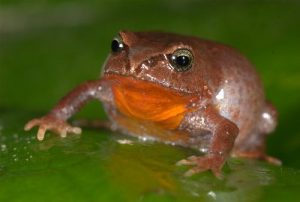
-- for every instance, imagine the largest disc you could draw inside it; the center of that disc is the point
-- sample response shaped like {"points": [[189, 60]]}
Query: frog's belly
{"points": [[149, 130]]}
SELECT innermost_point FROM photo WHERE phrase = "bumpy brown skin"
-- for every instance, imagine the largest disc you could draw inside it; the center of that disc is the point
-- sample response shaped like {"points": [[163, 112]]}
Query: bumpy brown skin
{"points": [[226, 112]]}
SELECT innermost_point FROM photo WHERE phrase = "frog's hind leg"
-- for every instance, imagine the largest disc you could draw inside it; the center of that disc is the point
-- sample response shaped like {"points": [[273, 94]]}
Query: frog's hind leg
{"points": [[253, 146], [256, 151]]}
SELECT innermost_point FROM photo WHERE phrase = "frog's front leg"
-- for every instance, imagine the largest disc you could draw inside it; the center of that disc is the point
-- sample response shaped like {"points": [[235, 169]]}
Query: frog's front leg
{"points": [[56, 119], [224, 133]]}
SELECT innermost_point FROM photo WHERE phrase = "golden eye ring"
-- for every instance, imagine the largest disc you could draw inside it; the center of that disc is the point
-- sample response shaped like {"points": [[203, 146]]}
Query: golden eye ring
{"points": [[182, 60]]}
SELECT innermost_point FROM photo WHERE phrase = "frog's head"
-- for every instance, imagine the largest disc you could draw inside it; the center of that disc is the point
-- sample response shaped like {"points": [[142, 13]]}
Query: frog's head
{"points": [[170, 60], [158, 77]]}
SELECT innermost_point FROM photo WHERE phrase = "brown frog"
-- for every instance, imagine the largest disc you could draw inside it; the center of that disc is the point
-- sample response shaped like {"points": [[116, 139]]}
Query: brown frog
{"points": [[180, 90]]}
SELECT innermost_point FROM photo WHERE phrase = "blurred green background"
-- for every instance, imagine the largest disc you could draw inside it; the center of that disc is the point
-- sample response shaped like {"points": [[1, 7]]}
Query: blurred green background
{"points": [[48, 47]]}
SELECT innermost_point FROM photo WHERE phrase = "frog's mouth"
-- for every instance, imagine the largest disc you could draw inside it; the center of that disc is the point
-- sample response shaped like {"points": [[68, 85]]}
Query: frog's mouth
{"points": [[148, 101]]}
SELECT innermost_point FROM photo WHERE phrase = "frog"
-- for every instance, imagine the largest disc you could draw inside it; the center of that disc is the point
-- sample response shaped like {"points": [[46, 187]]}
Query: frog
{"points": [[179, 90]]}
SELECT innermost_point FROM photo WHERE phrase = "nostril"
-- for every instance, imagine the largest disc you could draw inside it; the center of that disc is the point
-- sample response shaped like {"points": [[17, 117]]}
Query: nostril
{"points": [[148, 63]]}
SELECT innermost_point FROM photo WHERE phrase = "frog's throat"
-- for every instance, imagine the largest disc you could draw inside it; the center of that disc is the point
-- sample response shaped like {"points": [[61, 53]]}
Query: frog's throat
{"points": [[148, 101]]}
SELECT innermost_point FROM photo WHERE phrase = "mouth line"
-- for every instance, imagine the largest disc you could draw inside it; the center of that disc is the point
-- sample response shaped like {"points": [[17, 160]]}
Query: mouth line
{"points": [[150, 79]]}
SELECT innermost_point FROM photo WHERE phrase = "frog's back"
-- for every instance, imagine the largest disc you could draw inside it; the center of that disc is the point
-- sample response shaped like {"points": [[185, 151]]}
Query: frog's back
{"points": [[239, 95]]}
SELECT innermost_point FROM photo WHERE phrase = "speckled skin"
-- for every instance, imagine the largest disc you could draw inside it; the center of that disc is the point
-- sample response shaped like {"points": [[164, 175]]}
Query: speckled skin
{"points": [[226, 112]]}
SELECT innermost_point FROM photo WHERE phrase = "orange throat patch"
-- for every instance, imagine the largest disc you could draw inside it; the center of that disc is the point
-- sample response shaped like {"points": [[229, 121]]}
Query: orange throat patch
{"points": [[147, 101]]}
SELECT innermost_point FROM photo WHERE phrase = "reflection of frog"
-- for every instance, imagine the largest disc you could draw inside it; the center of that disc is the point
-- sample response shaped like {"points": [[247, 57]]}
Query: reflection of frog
{"points": [[180, 90]]}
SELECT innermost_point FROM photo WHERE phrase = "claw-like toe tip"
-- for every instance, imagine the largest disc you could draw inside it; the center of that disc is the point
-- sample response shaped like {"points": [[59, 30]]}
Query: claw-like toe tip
{"points": [[41, 133], [218, 174], [40, 138], [63, 134], [189, 173], [181, 162], [27, 127], [186, 162], [273, 160], [77, 130]]}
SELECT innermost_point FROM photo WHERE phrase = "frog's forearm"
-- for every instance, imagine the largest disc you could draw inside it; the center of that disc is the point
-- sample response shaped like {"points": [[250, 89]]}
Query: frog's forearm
{"points": [[73, 101], [224, 133]]}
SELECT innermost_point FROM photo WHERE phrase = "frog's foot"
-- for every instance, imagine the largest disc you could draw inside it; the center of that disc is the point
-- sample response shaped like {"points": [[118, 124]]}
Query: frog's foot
{"points": [[53, 124], [203, 163], [257, 155]]}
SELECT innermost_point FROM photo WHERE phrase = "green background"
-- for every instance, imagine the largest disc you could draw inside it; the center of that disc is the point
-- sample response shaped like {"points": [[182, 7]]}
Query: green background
{"points": [[48, 47]]}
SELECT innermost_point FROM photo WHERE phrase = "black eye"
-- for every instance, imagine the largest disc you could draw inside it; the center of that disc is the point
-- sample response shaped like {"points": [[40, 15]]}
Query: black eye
{"points": [[117, 45], [182, 60]]}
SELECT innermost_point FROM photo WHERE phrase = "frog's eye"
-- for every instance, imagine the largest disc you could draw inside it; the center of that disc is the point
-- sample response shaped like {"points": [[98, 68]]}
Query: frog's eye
{"points": [[117, 45], [182, 60]]}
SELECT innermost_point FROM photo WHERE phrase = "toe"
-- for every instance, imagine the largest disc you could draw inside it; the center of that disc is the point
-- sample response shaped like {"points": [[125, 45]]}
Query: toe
{"points": [[41, 133], [31, 124], [273, 160], [63, 133], [194, 170], [185, 162], [217, 172], [193, 158], [76, 130]]}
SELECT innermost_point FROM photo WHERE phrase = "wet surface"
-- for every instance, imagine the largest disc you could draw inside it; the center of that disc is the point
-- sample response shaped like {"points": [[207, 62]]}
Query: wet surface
{"points": [[112, 167]]}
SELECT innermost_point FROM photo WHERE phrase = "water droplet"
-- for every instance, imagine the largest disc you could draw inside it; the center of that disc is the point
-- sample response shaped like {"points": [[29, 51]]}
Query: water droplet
{"points": [[203, 150], [3, 147], [212, 194], [125, 141]]}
